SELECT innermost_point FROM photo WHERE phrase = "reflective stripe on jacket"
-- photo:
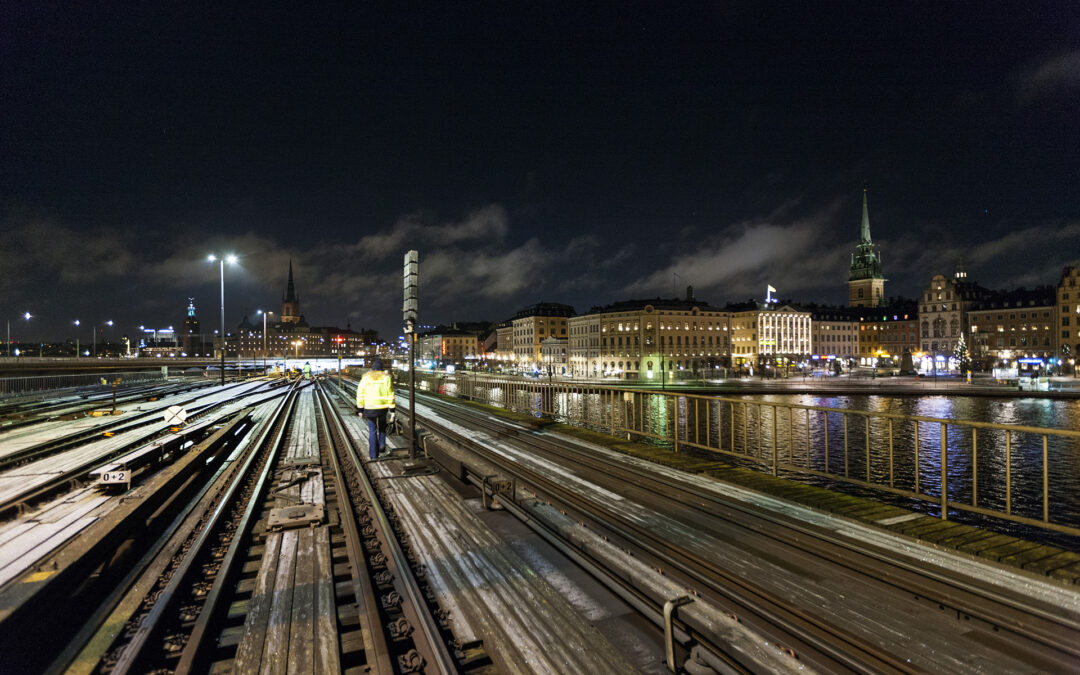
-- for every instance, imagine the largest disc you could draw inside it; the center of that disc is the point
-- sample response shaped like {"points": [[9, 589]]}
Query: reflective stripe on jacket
{"points": [[375, 391]]}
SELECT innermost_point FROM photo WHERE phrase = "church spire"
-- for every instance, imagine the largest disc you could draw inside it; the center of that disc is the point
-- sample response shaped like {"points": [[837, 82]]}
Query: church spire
{"points": [[865, 220], [290, 290], [866, 283], [290, 304]]}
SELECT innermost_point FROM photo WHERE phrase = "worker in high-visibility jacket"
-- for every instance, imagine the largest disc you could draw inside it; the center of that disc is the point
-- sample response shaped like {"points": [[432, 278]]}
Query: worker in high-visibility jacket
{"points": [[375, 402]]}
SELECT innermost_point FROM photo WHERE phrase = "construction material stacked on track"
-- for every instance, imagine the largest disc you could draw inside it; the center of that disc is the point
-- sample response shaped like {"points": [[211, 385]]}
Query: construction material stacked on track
{"points": [[492, 595]]}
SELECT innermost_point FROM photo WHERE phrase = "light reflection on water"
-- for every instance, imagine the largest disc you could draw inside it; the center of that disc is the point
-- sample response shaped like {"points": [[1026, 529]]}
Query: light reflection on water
{"points": [[747, 425]]}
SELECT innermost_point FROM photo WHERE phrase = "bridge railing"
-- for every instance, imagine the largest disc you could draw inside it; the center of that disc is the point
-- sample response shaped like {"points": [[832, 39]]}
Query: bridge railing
{"points": [[15, 386], [1020, 473]]}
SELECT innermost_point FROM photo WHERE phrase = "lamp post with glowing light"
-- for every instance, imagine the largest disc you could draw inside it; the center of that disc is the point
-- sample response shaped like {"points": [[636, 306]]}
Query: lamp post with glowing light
{"points": [[76, 338], [264, 334], [230, 259], [26, 317]]}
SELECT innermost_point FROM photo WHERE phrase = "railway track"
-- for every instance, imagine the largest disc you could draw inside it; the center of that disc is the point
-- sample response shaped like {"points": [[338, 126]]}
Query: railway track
{"points": [[695, 523], [23, 413], [39, 471], [282, 557]]}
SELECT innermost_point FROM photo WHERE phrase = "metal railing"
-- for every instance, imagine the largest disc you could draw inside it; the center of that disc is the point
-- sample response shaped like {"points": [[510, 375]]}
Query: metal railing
{"points": [[1023, 474], [11, 386]]}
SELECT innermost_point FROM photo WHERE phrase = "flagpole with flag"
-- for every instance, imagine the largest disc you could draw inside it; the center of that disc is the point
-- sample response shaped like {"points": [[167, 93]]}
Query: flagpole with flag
{"points": [[768, 294]]}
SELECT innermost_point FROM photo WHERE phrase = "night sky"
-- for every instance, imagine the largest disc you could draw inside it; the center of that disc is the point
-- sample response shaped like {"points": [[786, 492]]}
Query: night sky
{"points": [[581, 153]]}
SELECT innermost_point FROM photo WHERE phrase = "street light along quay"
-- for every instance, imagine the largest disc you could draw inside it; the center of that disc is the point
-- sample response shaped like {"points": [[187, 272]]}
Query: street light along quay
{"points": [[229, 259], [26, 317], [76, 338]]}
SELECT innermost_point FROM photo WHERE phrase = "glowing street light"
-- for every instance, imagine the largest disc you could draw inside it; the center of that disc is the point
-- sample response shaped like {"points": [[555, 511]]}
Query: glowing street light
{"points": [[259, 311], [26, 317], [227, 259]]}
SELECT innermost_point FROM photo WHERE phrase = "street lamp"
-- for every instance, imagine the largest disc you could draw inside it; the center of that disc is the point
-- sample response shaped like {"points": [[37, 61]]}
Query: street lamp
{"points": [[26, 317], [264, 334], [76, 338], [230, 259]]}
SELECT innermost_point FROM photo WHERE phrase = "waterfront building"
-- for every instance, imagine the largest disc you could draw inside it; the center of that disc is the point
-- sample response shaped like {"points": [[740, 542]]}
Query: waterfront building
{"points": [[504, 345], [1068, 316], [533, 325], [887, 333], [650, 339], [553, 354], [834, 334], [583, 347], [866, 283], [943, 315], [767, 335], [449, 346], [1013, 327]]}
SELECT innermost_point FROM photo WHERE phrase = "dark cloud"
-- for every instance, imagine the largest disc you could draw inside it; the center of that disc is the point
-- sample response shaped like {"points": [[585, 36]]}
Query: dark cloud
{"points": [[1054, 75]]}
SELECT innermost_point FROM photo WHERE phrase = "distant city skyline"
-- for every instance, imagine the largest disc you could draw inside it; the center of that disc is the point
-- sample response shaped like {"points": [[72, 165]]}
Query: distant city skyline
{"points": [[530, 153]]}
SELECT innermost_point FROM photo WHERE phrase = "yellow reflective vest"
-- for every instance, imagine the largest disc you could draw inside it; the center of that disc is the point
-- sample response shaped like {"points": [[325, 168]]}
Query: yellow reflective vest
{"points": [[375, 391]]}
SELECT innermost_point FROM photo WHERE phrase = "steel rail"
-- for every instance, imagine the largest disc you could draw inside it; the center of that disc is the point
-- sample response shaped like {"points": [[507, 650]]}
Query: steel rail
{"points": [[62, 480], [85, 566], [85, 651], [42, 412], [797, 627], [273, 434], [1053, 629], [363, 590], [139, 419], [436, 647]]}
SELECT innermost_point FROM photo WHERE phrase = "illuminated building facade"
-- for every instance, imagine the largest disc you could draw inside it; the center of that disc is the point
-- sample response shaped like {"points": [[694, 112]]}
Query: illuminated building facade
{"points": [[534, 324], [649, 339], [943, 314], [886, 333], [553, 354], [764, 335], [1010, 326], [834, 334], [449, 346], [1068, 316]]}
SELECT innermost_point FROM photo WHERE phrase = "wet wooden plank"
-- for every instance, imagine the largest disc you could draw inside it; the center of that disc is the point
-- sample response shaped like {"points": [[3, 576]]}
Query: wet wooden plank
{"points": [[276, 648], [301, 621], [249, 653], [327, 649]]}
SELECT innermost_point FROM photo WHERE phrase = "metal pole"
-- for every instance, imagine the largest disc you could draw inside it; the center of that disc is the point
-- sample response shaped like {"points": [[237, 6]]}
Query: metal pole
{"points": [[264, 350], [412, 394], [222, 322], [9, 337]]}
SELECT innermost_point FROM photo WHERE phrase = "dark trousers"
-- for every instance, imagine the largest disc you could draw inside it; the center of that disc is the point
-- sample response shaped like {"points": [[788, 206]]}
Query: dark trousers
{"points": [[376, 426]]}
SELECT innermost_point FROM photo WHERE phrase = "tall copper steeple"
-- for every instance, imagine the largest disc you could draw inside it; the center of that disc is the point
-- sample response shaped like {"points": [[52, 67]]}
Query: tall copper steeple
{"points": [[866, 283]]}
